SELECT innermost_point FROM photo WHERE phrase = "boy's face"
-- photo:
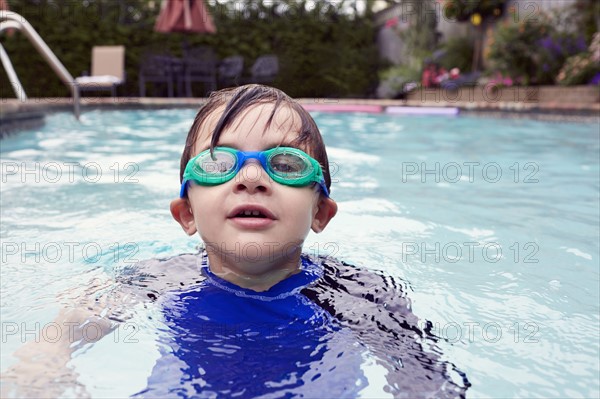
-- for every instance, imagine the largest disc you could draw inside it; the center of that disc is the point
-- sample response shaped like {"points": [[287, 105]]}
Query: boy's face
{"points": [[255, 245]]}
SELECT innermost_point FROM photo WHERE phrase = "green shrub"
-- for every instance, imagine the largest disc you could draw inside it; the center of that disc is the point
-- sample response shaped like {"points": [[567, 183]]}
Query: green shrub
{"points": [[459, 54], [514, 48], [402, 71], [323, 50], [393, 80]]}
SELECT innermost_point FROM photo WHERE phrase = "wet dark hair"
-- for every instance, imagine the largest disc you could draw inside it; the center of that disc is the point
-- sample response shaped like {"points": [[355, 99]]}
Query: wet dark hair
{"points": [[238, 99]]}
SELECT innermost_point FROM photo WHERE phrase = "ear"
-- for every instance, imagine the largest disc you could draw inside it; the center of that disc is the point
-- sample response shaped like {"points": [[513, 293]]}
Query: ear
{"points": [[182, 213], [326, 210]]}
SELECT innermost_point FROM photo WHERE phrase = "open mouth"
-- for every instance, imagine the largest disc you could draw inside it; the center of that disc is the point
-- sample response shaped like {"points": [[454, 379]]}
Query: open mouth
{"points": [[250, 214], [252, 217]]}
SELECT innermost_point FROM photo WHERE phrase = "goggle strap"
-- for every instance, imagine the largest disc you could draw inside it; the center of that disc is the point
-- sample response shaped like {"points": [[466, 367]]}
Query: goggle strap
{"points": [[183, 190]]}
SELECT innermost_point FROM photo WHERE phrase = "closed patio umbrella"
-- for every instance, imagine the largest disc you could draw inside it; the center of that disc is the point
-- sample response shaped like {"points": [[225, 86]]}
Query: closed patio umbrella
{"points": [[188, 16]]}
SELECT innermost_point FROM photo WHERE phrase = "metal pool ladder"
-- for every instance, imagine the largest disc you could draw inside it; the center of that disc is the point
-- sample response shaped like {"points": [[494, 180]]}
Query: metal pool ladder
{"points": [[9, 19]]}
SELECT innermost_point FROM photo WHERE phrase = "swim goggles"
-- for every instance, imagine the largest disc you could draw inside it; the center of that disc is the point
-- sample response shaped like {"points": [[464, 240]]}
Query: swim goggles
{"points": [[285, 165]]}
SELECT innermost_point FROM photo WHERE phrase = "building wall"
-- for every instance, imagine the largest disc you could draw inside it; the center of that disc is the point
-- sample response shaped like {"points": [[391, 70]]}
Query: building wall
{"points": [[390, 45]]}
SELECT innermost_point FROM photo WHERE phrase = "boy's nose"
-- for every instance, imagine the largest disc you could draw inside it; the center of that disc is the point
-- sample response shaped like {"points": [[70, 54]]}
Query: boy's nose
{"points": [[252, 178]]}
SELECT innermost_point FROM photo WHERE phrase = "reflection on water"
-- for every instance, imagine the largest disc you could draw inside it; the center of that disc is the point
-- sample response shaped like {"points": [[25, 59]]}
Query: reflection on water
{"points": [[522, 323]]}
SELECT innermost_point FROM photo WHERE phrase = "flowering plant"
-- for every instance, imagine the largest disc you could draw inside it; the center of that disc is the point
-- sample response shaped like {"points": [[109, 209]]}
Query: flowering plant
{"points": [[595, 48], [582, 68], [499, 80], [537, 48], [554, 50], [514, 48]]}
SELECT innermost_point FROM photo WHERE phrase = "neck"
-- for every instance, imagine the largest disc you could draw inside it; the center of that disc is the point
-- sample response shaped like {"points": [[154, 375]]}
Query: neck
{"points": [[256, 275]]}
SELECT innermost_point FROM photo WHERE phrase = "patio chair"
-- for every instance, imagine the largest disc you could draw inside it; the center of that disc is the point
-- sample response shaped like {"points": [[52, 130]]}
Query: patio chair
{"points": [[108, 70], [264, 70], [230, 71], [200, 65], [158, 67]]}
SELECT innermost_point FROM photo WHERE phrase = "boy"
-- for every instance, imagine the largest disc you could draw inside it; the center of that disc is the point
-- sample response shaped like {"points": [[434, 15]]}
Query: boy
{"points": [[257, 317], [255, 180]]}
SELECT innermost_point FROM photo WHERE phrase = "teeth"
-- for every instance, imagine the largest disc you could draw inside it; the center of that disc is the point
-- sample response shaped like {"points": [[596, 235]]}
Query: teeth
{"points": [[250, 213]]}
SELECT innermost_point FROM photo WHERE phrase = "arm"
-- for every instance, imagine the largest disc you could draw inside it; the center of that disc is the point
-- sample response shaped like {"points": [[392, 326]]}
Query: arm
{"points": [[43, 367]]}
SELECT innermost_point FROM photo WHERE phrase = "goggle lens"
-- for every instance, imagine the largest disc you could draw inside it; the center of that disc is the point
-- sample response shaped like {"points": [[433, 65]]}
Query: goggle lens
{"points": [[290, 166], [220, 163]]}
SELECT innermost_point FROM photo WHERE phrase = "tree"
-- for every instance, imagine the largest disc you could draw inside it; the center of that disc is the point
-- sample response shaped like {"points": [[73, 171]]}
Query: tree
{"points": [[480, 13]]}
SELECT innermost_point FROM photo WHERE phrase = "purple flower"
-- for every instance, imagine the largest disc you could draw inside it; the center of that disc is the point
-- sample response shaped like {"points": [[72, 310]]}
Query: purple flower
{"points": [[596, 79], [581, 46], [547, 43]]}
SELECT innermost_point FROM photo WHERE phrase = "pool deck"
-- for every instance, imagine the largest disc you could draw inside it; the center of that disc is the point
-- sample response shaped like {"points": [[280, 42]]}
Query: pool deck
{"points": [[16, 115]]}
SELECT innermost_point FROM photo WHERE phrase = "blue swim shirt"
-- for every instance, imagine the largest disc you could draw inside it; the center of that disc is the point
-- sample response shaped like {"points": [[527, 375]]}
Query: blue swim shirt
{"points": [[333, 330], [227, 341]]}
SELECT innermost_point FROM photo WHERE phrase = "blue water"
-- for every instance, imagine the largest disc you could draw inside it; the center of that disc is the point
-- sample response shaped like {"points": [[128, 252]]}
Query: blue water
{"points": [[492, 222]]}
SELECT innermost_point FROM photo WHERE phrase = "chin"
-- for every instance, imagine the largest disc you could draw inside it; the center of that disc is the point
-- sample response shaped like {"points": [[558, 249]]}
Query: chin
{"points": [[256, 251]]}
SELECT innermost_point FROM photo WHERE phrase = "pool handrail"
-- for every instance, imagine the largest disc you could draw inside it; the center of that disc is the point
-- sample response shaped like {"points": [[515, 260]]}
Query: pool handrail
{"points": [[10, 19]]}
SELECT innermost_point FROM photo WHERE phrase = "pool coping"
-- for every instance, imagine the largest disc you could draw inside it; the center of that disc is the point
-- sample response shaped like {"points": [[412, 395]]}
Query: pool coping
{"points": [[16, 115]]}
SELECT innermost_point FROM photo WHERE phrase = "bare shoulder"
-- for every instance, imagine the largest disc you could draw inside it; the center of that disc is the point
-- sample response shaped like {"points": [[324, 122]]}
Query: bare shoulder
{"points": [[113, 297]]}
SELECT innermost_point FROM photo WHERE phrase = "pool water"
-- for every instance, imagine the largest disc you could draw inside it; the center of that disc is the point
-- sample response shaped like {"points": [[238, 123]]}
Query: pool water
{"points": [[493, 224]]}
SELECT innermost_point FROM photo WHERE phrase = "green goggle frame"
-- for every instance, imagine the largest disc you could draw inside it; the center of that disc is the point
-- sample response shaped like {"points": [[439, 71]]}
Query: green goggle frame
{"points": [[285, 165]]}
